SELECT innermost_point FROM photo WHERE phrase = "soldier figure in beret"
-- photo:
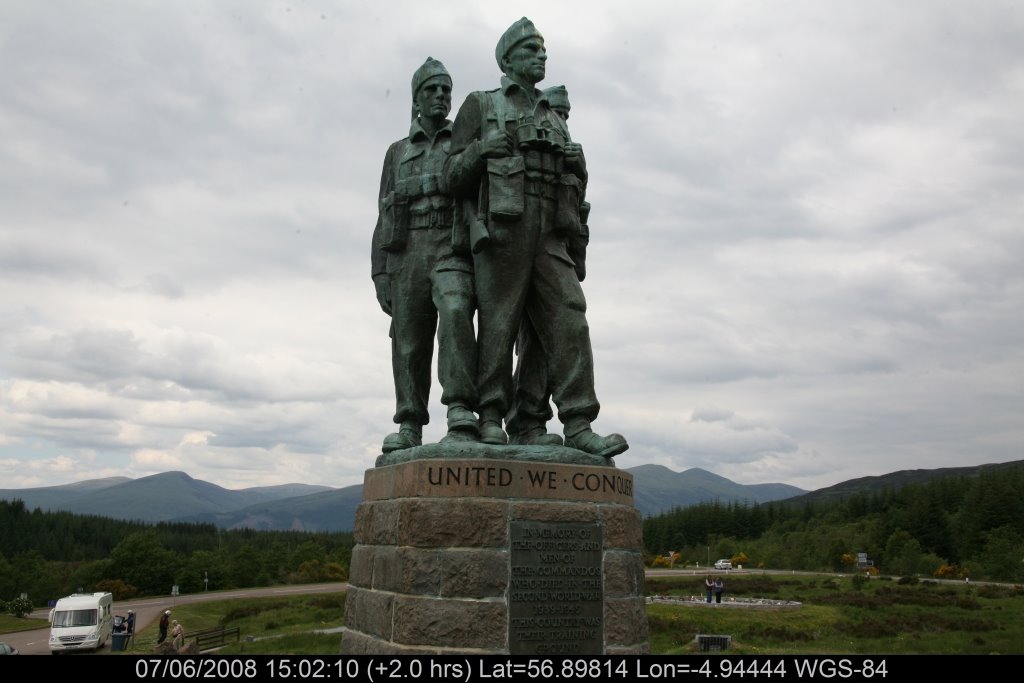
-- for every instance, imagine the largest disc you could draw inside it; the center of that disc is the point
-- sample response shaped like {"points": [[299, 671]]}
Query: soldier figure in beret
{"points": [[518, 180], [421, 281]]}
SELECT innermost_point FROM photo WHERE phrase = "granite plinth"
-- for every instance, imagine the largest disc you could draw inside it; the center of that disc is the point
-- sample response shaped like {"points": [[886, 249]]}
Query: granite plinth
{"points": [[481, 556]]}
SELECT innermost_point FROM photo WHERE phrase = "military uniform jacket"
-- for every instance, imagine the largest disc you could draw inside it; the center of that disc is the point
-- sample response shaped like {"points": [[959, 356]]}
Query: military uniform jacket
{"points": [[510, 107], [411, 195]]}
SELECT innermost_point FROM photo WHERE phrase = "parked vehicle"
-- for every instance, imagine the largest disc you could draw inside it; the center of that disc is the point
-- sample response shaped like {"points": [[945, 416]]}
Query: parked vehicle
{"points": [[723, 564], [81, 621], [6, 649]]}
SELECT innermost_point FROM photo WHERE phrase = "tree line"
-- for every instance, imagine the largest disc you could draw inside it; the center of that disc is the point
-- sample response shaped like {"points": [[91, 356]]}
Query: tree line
{"points": [[951, 527], [51, 554]]}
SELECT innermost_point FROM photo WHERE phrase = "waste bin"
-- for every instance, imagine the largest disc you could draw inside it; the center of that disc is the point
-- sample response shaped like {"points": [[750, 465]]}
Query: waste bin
{"points": [[118, 641]]}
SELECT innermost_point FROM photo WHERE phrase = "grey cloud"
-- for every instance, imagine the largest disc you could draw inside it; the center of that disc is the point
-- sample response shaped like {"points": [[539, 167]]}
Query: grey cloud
{"points": [[65, 431], [36, 257], [84, 355], [164, 285]]}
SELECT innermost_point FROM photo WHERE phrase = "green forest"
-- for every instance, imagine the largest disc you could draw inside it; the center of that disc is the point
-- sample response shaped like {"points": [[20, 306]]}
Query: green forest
{"points": [[51, 554], [952, 527]]}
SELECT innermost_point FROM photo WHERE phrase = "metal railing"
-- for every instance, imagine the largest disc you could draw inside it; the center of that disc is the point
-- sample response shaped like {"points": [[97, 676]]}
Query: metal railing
{"points": [[713, 643]]}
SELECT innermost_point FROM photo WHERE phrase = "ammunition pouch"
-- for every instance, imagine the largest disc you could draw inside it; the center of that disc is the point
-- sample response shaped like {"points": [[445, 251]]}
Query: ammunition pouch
{"points": [[406, 209], [506, 178], [395, 224]]}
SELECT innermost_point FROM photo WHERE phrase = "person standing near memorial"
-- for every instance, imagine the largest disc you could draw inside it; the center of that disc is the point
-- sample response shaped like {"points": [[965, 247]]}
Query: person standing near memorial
{"points": [[130, 627], [420, 279], [177, 635], [165, 620], [513, 160]]}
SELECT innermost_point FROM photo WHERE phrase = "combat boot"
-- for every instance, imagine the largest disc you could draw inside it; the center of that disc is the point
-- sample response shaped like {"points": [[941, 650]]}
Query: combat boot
{"points": [[531, 432], [490, 428], [584, 439], [462, 425], [409, 435]]}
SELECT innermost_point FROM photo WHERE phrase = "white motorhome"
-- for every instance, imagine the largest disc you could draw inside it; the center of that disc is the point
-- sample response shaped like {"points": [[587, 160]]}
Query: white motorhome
{"points": [[81, 621]]}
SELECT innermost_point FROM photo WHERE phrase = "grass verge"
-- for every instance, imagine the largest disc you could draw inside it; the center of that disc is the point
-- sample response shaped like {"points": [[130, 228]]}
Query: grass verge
{"points": [[12, 624], [266, 625], [839, 616], [843, 615]]}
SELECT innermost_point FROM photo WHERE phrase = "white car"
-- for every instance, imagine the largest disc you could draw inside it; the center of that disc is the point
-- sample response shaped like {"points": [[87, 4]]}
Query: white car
{"points": [[723, 564]]}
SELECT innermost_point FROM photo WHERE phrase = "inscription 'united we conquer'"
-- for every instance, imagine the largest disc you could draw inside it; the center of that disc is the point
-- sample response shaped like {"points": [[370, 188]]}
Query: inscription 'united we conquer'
{"points": [[612, 482]]}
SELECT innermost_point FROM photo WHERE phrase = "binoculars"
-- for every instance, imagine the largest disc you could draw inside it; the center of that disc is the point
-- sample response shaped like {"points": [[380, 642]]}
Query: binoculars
{"points": [[530, 136]]}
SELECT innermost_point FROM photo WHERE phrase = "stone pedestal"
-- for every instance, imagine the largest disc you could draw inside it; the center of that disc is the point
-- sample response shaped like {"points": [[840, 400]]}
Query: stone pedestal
{"points": [[488, 556]]}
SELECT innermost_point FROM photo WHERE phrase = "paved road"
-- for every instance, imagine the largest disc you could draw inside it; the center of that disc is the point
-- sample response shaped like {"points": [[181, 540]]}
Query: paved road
{"points": [[148, 610]]}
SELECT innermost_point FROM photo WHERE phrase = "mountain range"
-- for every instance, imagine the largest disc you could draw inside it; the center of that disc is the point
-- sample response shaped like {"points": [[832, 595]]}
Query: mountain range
{"points": [[896, 480], [177, 497], [158, 498]]}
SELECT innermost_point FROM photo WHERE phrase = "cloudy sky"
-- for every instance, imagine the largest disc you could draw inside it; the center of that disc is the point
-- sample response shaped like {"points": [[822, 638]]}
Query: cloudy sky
{"points": [[807, 256]]}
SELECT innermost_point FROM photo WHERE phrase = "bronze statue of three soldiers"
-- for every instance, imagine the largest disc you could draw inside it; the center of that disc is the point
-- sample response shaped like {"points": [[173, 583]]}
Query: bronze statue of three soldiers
{"points": [[487, 215]]}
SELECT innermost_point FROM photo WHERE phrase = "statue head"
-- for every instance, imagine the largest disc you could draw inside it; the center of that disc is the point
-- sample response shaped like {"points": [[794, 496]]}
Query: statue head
{"points": [[520, 52], [431, 91], [558, 100]]}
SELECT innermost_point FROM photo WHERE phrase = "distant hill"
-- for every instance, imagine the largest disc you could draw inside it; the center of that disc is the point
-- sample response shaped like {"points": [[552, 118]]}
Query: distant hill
{"points": [[59, 497], [658, 489], [895, 480], [157, 498], [333, 510]]}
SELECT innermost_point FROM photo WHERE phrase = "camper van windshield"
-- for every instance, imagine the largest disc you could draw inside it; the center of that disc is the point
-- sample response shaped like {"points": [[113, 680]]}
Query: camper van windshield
{"points": [[75, 617]]}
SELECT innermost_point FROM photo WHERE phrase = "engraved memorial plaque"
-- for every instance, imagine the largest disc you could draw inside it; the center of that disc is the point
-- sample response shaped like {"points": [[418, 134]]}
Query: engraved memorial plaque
{"points": [[556, 592]]}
